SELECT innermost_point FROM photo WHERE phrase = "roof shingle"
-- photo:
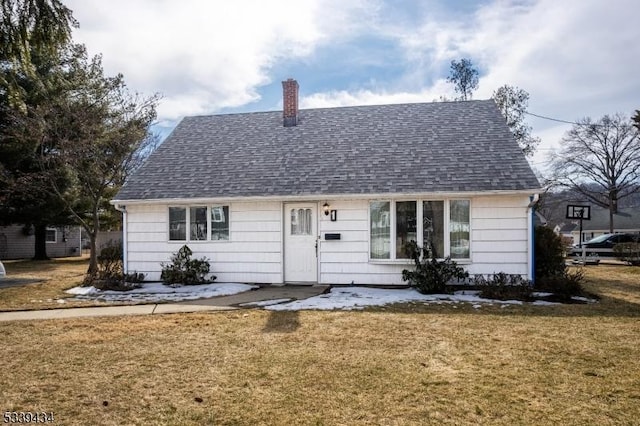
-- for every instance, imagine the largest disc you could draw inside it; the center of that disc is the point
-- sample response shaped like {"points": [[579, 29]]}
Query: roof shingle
{"points": [[406, 148]]}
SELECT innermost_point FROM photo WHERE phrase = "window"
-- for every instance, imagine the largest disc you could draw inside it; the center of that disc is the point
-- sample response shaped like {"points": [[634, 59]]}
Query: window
{"points": [[433, 227], [198, 220], [219, 223], [380, 230], [52, 235], [459, 229], [393, 224], [406, 226]]}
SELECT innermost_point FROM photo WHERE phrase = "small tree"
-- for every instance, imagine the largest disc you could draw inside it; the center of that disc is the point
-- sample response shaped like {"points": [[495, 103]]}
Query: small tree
{"points": [[464, 77]]}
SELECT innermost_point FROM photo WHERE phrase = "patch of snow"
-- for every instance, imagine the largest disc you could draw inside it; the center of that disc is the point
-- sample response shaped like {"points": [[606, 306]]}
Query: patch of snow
{"points": [[541, 294], [263, 303], [583, 299], [61, 301], [347, 298], [156, 292], [544, 303]]}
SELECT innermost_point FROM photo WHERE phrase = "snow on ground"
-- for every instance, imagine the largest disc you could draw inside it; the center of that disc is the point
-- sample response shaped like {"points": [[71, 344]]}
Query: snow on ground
{"points": [[263, 303], [360, 297], [155, 292]]}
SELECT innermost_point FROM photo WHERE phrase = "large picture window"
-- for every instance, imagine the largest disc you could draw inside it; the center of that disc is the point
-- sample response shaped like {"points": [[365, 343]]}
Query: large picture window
{"points": [[203, 223], [393, 224]]}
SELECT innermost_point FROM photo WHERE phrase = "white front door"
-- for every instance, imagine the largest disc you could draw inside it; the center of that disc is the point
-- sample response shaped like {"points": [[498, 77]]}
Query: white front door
{"points": [[300, 250]]}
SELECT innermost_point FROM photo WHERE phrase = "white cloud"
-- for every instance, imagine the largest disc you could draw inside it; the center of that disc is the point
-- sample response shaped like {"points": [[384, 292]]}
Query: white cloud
{"points": [[204, 56], [369, 97], [576, 58]]}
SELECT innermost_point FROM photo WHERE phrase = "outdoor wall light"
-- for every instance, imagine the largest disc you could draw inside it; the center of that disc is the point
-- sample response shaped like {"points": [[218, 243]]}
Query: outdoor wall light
{"points": [[325, 207]]}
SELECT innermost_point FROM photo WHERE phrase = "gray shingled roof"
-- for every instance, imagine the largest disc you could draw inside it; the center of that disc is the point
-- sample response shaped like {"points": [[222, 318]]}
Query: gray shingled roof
{"points": [[408, 148]]}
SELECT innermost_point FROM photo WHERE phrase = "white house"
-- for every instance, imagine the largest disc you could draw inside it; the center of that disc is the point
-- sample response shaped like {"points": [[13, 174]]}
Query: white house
{"points": [[331, 195]]}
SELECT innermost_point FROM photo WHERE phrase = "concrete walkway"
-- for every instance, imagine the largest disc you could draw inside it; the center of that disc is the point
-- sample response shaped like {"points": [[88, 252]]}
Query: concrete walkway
{"points": [[222, 303]]}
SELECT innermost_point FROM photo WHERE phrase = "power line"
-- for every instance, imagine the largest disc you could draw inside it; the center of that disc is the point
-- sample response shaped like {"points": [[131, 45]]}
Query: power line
{"points": [[563, 121]]}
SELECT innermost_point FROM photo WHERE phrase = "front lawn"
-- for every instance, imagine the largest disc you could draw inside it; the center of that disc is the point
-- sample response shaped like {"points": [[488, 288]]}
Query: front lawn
{"points": [[402, 364]]}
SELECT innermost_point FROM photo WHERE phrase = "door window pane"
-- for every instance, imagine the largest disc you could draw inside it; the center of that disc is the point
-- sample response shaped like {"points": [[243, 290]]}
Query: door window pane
{"points": [[380, 232], [459, 229], [301, 222], [406, 231], [219, 223], [177, 223], [433, 228], [198, 223]]}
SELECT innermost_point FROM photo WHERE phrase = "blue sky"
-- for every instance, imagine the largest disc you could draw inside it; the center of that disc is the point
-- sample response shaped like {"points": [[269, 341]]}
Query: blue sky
{"points": [[576, 58]]}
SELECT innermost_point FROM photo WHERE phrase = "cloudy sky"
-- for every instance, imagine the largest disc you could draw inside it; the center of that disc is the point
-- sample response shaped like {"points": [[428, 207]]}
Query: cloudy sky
{"points": [[576, 58]]}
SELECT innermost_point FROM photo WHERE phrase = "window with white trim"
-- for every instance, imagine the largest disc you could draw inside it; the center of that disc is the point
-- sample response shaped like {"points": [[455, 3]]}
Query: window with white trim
{"points": [[442, 227], [52, 235], [204, 223], [219, 223]]}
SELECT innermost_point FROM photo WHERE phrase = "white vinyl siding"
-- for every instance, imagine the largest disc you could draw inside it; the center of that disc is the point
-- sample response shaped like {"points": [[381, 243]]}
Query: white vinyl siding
{"points": [[500, 232], [500, 235], [253, 254]]}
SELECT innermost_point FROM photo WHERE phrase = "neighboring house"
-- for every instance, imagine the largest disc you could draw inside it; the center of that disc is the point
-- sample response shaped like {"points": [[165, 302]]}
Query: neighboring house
{"points": [[626, 220], [18, 242], [331, 195], [565, 231]]}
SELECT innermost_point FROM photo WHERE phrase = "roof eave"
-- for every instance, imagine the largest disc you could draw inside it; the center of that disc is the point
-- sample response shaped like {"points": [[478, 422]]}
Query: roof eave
{"points": [[316, 197]]}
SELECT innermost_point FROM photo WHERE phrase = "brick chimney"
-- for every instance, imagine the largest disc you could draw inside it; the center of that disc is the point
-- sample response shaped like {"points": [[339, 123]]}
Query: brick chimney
{"points": [[290, 102]]}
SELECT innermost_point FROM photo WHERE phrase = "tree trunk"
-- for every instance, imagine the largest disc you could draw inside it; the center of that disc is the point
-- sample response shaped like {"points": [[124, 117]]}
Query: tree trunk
{"points": [[40, 252], [93, 236], [611, 218]]}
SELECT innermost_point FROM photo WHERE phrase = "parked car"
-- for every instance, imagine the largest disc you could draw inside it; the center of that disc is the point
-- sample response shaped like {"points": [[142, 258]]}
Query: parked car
{"points": [[2, 271], [602, 246]]}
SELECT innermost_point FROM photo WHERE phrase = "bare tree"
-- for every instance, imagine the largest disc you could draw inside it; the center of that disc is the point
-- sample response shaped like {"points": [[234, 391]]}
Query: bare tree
{"points": [[601, 161], [464, 77], [513, 103]]}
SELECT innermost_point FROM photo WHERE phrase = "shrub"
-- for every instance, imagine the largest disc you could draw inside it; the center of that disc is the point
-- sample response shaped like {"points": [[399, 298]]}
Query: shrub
{"points": [[549, 253], [110, 274], [110, 261], [504, 287], [563, 286], [628, 252], [551, 271], [184, 270], [431, 275]]}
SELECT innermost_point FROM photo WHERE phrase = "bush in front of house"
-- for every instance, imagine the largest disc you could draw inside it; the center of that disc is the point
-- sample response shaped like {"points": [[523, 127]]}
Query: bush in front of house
{"points": [[430, 276], [185, 270], [552, 274], [563, 286], [110, 274], [549, 252], [628, 252], [503, 286]]}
